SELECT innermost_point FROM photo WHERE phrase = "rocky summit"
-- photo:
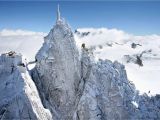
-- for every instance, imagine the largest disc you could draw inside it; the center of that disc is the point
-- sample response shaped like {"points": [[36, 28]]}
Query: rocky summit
{"points": [[68, 84]]}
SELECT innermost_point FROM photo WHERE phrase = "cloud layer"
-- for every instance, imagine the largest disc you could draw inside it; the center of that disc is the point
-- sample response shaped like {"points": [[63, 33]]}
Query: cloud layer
{"points": [[102, 35], [22, 41]]}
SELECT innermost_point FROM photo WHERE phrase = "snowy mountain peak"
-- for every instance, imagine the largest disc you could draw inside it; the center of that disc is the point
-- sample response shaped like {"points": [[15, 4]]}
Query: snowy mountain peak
{"points": [[58, 36]]}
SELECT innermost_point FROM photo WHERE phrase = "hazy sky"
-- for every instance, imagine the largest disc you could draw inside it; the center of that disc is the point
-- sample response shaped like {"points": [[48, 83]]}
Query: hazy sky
{"points": [[139, 18]]}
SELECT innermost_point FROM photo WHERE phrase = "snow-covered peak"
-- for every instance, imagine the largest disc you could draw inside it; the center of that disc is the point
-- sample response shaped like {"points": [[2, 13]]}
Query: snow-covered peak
{"points": [[61, 33], [57, 70]]}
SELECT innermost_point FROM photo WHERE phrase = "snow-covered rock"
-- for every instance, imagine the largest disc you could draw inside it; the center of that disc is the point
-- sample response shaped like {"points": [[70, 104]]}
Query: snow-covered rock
{"points": [[107, 93], [76, 87], [19, 98], [58, 70], [72, 85], [148, 108]]}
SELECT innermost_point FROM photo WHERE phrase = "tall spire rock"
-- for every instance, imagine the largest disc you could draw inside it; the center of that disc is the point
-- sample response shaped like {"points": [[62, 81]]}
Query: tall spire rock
{"points": [[58, 14], [57, 71]]}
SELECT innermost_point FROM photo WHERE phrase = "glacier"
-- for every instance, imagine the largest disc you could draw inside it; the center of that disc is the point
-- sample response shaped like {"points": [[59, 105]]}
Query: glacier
{"points": [[69, 84]]}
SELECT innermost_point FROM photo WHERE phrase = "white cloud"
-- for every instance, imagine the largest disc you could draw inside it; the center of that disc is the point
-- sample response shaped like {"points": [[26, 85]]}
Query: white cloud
{"points": [[18, 32], [102, 35], [21, 41]]}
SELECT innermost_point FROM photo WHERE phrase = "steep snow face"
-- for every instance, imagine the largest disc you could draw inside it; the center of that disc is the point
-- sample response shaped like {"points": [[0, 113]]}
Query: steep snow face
{"points": [[58, 70], [18, 93]]}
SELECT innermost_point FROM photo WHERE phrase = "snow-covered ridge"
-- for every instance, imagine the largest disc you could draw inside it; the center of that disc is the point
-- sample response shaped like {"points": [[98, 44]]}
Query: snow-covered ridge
{"points": [[18, 93]]}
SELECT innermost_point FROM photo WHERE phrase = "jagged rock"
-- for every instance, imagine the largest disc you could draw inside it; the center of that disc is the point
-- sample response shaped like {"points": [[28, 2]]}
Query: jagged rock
{"points": [[81, 34], [105, 92], [58, 70], [134, 45]]}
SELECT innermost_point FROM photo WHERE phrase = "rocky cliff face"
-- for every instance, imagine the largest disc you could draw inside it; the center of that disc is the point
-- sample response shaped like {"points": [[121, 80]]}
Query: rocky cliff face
{"points": [[58, 71], [107, 93]]}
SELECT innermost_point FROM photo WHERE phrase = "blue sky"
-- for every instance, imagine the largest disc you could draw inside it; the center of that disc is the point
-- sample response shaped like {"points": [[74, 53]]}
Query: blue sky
{"points": [[139, 18]]}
